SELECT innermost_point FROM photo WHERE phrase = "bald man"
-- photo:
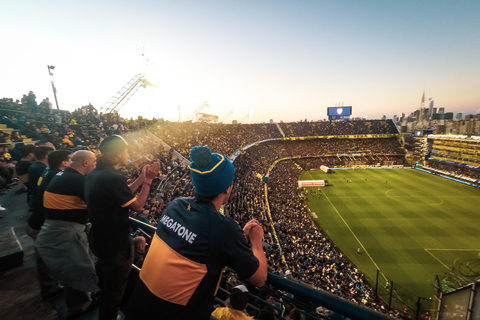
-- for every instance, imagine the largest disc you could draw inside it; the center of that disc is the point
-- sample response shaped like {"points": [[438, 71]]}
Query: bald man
{"points": [[62, 242]]}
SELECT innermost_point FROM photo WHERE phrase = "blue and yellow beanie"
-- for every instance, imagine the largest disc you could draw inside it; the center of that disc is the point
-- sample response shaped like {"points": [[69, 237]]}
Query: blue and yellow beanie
{"points": [[211, 173]]}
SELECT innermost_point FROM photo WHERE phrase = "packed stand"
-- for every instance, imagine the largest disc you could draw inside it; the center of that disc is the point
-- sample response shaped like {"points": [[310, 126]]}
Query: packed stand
{"points": [[84, 127], [455, 170], [223, 138], [324, 128], [313, 257], [308, 252]]}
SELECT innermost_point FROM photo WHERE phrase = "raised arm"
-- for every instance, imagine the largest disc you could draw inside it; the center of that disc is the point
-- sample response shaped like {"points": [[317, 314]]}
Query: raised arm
{"points": [[150, 172], [254, 231]]}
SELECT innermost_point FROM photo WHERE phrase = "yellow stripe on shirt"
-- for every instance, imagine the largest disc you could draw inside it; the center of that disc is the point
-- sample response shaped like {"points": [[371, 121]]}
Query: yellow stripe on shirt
{"points": [[62, 202], [165, 265], [126, 204]]}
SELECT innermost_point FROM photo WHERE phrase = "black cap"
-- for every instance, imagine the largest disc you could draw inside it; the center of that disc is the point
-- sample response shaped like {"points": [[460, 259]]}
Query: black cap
{"points": [[114, 142]]}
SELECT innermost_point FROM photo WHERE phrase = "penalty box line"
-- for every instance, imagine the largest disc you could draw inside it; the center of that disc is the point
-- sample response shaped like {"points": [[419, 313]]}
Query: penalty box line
{"points": [[445, 249]]}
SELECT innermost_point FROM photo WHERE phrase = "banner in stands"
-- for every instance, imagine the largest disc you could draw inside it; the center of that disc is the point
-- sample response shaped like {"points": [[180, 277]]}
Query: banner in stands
{"points": [[312, 183], [349, 136]]}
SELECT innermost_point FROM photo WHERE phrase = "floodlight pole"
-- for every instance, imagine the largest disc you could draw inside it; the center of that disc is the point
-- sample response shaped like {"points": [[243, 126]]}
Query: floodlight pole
{"points": [[53, 85]]}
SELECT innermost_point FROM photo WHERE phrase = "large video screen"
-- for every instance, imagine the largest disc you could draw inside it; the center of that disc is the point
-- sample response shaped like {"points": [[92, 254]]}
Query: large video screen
{"points": [[339, 111]]}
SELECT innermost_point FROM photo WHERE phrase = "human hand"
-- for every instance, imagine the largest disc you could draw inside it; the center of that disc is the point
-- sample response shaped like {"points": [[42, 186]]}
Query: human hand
{"points": [[142, 173], [249, 225], [152, 170], [253, 230]]}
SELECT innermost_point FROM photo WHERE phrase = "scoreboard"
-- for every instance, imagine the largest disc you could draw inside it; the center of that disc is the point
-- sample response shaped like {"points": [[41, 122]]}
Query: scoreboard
{"points": [[337, 113]]}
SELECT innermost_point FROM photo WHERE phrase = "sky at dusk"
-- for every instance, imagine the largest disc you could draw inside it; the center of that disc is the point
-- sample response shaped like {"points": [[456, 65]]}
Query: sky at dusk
{"points": [[275, 59]]}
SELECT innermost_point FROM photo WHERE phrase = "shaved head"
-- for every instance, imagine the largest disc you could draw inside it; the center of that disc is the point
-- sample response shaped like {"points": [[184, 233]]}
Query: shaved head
{"points": [[82, 155], [83, 161]]}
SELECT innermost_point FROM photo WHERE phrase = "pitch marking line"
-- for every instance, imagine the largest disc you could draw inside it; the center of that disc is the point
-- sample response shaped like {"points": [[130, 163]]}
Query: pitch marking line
{"points": [[358, 240], [443, 264]]}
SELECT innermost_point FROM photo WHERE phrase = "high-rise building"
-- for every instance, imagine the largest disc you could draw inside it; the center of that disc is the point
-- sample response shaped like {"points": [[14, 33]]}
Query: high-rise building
{"points": [[441, 110], [425, 114], [430, 108], [459, 116]]}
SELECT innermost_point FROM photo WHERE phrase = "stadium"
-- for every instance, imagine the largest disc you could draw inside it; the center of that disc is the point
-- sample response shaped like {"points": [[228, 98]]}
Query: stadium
{"points": [[355, 226]]}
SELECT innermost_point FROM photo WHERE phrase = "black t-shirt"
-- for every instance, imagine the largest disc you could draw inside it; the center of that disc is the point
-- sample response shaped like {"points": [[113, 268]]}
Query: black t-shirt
{"points": [[37, 218], [107, 196], [34, 172], [21, 167], [64, 197]]}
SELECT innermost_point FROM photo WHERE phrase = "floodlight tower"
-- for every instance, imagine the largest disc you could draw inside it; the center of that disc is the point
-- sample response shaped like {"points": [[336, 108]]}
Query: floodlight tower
{"points": [[198, 110], [53, 84], [248, 116], [118, 100], [225, 116]]}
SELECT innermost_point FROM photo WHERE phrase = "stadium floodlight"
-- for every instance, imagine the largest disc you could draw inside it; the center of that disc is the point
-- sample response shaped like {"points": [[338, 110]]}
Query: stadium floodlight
{"points": [[53, 84]]}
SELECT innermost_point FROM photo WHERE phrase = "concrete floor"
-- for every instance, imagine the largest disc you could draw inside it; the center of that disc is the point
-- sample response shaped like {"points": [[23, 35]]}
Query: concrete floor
{"points": [[19, 288]]}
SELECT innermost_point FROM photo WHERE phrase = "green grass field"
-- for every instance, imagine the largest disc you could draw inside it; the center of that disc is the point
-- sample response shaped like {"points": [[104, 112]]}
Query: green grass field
{"points": [[409, 224]]}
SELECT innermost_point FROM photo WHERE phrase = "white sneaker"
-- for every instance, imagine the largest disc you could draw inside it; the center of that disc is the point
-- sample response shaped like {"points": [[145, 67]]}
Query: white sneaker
{"points": [[2, 208]]}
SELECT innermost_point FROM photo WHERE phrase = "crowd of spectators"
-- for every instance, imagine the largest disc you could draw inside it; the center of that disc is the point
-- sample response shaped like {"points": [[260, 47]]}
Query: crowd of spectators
{"points": [[227, 138], [308, 253], [290, 217], [85, 126], [455, 170], [324, 128], [222, 138]]}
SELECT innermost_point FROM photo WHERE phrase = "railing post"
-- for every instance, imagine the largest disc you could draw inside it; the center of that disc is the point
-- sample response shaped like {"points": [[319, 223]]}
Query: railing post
{"points": [[419, 303], [390, 297]]}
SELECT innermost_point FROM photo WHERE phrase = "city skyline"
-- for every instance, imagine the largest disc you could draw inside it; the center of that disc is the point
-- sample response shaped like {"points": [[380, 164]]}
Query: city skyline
{"points": [[274, 60]]}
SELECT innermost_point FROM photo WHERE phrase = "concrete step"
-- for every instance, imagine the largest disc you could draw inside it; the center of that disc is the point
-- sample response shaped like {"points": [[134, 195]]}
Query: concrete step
{"points": [[11, 251]]}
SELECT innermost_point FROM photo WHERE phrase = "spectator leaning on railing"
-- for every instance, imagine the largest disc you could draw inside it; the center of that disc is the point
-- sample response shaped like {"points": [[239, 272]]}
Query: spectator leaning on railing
{"points": [[192, 245]]}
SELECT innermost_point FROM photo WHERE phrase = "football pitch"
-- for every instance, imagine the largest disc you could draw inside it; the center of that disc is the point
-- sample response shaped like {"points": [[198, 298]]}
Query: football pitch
{"points": [[409, 224]]}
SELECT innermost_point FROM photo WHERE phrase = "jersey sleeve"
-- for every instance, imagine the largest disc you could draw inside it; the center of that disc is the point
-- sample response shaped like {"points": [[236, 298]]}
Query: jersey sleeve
{"points": [[238, 252], [120, 191]]}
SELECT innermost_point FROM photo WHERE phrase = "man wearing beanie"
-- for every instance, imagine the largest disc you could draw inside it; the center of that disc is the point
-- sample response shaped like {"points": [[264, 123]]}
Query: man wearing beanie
{"points": [[192, 245], [108, 199]]}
